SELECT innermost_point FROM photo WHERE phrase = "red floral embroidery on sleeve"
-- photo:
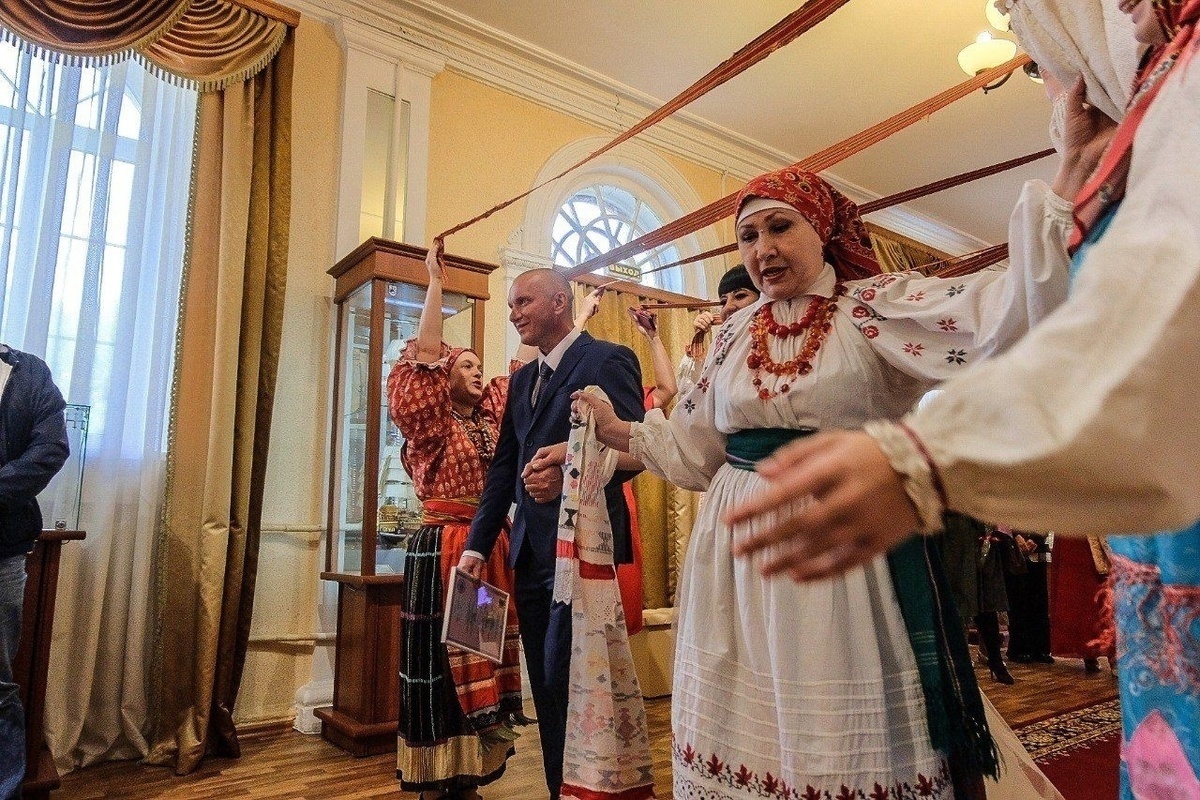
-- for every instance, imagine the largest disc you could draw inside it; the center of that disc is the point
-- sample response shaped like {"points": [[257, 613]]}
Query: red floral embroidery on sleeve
{"points": [[419, 397]]}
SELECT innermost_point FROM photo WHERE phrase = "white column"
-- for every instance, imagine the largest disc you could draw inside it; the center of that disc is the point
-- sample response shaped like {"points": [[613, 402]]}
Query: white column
{"points": [[377, 61]]}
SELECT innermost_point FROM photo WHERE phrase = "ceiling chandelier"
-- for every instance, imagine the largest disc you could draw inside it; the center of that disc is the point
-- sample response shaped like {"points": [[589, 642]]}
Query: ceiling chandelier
{"points": [[988, 51]]}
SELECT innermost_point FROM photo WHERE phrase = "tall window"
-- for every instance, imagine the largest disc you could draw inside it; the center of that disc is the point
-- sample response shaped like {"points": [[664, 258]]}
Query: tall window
{"points": [[95, 166], [598, 218]]}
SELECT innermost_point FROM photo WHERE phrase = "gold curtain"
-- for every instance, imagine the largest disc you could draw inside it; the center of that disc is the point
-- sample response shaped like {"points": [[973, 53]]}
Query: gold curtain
{"points": [[204, 45], [226, 363], [665, 512], [898, 253]]}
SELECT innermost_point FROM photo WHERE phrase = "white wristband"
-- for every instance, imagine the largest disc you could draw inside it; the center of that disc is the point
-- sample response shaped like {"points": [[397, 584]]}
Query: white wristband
{"points": [[915, 471]]}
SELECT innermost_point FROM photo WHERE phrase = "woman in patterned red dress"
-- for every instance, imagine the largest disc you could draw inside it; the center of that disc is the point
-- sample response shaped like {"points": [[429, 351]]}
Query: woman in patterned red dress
{"points": [[457, 709]]}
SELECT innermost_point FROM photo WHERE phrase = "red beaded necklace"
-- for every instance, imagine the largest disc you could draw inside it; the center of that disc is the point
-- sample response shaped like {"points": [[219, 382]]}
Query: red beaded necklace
{"points": [[816, 322]]}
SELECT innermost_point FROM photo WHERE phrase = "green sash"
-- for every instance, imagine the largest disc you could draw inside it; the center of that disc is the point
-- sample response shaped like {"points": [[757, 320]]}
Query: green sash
{"points": [[953, 708]]}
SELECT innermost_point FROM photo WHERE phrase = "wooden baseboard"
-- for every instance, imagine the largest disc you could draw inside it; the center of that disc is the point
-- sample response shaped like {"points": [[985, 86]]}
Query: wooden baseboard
{"points": [[264, 728]]}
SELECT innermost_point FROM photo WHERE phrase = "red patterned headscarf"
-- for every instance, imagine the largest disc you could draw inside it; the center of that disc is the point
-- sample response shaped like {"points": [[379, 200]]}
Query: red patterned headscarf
{"points": [[453, 354], [1106, 187], [833, 216], [447, 353]]}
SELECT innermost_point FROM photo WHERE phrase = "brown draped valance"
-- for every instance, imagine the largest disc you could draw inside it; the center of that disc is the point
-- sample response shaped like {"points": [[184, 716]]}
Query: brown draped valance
{"points": [[90, 29], [215, 44], [205, 45]]}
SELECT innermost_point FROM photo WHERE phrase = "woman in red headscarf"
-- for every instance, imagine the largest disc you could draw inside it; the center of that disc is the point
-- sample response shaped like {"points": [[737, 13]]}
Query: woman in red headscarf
{"points": [[1093, 418], [456, 708], [858, 686]]}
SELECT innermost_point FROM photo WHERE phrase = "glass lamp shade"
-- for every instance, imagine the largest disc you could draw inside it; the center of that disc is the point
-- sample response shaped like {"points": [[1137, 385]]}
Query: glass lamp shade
{"points": [[995, 17], [985, 53]]}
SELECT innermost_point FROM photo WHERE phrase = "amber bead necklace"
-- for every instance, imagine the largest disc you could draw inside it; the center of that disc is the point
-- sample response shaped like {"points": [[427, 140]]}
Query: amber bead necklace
{"points": [[815, 324]]}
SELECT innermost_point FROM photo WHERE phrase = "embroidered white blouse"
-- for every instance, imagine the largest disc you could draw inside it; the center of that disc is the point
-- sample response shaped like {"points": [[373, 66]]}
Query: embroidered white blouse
{"points": [[1091, 424], [893, 338]]}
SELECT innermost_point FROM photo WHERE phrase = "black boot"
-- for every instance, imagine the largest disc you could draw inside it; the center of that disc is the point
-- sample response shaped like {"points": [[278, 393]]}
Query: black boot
{"points": [[988, 625]]}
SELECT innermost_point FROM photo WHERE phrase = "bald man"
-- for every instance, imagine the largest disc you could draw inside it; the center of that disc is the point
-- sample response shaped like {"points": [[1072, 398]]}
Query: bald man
{"points": [[537, 414]]}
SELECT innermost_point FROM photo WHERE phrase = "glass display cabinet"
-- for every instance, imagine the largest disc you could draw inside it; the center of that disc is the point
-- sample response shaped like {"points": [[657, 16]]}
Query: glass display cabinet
{"points": [[379, 291], [60, 499]]}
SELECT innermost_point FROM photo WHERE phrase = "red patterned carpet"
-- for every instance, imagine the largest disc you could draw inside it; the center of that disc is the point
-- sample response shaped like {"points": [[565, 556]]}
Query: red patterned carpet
{"points": [[1079, 750]]}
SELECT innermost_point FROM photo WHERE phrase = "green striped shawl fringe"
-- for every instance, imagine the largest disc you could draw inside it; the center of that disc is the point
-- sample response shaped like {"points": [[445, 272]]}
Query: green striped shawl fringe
{"points": [[953, 707]]}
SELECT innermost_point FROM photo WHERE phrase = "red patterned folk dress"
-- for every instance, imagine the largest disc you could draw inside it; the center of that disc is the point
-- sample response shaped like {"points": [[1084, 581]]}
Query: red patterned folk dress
{"points": [[455, 707]]}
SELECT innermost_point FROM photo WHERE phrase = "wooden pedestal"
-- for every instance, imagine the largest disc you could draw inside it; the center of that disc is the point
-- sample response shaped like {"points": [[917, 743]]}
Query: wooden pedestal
{"points": [[33, 658], [366, 674]]}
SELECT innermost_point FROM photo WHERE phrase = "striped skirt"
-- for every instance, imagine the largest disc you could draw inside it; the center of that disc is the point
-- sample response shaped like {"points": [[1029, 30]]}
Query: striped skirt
{"points": [[455, 707]]}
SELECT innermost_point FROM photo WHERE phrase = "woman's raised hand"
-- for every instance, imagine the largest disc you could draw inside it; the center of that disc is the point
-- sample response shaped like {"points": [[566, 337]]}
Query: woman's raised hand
{"points": [[704, 321], [647, 323], [1086, 135], [588, 307], [435, 260], [857, 509]]}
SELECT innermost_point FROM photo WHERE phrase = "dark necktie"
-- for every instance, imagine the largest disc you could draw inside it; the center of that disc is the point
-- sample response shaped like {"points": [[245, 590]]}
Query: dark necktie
{"points": [[544, 373]]}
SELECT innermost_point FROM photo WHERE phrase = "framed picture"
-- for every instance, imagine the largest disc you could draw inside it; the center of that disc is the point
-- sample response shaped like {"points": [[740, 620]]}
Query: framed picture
{"points": [[476, 614]]}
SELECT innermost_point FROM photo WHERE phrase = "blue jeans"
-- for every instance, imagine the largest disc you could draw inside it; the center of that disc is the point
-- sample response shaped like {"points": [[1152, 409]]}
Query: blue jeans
{"points": [[12, 719]]}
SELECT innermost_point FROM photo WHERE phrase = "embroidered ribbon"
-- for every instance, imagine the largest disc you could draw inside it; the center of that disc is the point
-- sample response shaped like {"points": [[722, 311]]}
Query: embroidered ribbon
{"points": [[878, 205], [607, 751], [783, 32], [719, 209]]}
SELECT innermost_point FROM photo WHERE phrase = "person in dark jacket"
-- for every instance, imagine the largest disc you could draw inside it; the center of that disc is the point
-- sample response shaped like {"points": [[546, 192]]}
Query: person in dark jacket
{"points": [[33, 447]]}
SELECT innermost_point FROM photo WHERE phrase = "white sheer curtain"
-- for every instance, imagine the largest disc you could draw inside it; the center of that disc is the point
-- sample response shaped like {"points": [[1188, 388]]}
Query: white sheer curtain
{"points": [[95, 166]]}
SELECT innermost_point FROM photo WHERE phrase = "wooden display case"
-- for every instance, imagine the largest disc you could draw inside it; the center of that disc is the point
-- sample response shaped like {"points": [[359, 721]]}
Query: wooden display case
{"points": [[379, 291]]}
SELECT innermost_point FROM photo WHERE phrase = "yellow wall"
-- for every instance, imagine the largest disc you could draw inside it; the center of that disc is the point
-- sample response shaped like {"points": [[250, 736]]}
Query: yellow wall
{"points": [[472, 166], [286, 596]]}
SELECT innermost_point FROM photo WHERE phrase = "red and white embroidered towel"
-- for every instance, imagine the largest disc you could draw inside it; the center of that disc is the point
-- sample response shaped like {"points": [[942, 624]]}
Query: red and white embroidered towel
{"points": [[607, 753]]}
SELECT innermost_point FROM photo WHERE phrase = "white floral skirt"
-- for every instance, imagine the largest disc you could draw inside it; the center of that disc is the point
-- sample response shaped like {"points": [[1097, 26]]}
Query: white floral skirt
{"points": [[797, 691]]}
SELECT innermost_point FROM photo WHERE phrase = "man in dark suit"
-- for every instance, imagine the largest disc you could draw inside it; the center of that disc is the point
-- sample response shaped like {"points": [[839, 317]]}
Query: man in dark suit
{"points": [[538, 414]]}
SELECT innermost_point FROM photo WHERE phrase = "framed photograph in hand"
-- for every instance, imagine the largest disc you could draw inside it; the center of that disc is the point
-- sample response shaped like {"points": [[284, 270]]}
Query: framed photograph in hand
{"points": [[476, 614]]}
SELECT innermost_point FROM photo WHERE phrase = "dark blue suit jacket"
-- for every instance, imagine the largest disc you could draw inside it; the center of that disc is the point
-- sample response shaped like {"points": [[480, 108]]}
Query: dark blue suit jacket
{"points": [[588, 361]]}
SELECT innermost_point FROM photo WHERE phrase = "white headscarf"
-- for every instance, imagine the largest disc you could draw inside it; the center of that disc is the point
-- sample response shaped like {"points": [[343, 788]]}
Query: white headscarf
{"points": [[1071, 37]]}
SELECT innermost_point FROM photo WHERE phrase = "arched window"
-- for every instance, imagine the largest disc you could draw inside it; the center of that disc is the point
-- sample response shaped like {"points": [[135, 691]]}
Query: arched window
{"points": [[613, 200], [600, 217]]}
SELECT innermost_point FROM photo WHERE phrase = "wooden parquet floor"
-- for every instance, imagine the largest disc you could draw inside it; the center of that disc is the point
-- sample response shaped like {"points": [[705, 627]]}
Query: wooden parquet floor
{"points": [[293, 765]]}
